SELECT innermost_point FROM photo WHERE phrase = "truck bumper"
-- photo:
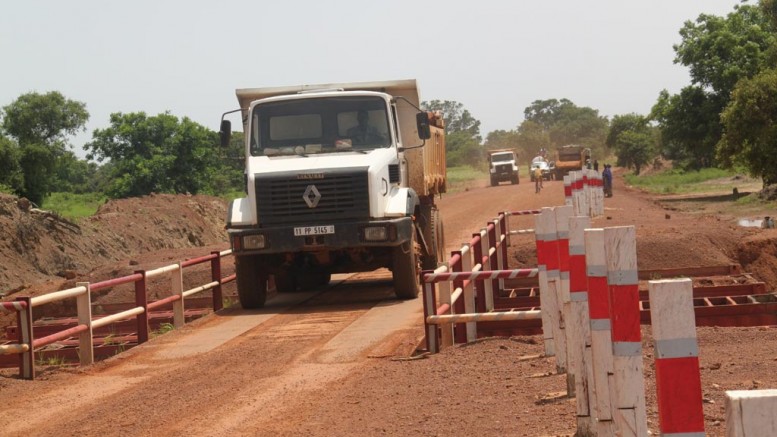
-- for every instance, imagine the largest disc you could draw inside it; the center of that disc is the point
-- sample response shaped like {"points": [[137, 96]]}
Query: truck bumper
{"points": [[281, 239]]}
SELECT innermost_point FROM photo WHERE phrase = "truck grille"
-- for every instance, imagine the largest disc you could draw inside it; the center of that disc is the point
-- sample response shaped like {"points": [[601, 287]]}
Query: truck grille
{"points": [[504, 168], [343, 195]]}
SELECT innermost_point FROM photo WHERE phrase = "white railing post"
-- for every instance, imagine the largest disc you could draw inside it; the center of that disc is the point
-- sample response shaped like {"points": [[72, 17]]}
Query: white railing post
{"points": [[85, 339], [176, 285], [751, 413], [542, 235], [630, 414], [430, 305], [469, 291]]}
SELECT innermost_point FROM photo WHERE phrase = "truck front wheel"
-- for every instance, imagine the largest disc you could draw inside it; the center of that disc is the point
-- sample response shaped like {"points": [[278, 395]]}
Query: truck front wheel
{"points": [[405, 269], [251, 282]]}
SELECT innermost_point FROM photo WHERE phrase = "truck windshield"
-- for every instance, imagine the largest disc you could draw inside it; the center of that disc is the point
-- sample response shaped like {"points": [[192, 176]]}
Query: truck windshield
{"points": [[319, 125], [501, 157]]}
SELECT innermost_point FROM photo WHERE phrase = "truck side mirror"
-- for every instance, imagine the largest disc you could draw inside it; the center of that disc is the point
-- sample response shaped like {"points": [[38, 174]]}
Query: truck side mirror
{"points": [[424, 131], [225, 132]]}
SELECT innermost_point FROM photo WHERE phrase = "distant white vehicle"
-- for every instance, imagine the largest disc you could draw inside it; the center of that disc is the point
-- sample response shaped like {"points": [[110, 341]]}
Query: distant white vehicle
{"points": [[543, 165]]}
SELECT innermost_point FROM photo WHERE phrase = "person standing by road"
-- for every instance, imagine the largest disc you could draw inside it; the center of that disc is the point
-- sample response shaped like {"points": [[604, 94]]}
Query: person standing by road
{"points": [[607, 178]]}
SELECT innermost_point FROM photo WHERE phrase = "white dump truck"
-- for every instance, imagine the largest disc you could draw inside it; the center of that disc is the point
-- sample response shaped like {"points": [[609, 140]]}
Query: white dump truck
{"points": [[339, 178], [503, 166]]}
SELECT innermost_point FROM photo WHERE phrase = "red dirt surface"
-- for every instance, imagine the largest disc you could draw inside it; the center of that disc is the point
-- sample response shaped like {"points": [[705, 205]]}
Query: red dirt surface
{"points": [[276, 383]]}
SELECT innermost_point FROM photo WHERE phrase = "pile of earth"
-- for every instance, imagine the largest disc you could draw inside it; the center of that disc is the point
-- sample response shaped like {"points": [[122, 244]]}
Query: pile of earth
{"points": [[40, 247]]}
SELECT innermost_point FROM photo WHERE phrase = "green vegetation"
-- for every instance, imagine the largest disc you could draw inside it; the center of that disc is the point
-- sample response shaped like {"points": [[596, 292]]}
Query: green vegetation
{"points": [[679, 181], [164, 328], [55, 360], [73, 206], [460, 178]]}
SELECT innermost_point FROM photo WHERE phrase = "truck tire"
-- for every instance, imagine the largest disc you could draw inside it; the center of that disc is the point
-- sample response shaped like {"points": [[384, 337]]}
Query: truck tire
{"points": [[431, 227], [405, 269], [514, 179], [494, 182], [251, 282]]}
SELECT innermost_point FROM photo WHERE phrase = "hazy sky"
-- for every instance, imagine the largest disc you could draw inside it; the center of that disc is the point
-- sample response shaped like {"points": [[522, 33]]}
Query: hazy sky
{"points": [[495, 57]]}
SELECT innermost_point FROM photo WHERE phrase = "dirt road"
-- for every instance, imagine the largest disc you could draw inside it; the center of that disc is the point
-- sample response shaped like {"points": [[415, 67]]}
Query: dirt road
{"points": [[326, 362]]}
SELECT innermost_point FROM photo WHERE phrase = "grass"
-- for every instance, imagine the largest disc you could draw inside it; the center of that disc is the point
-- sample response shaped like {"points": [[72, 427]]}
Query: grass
{"points": [[55, 360], [73, 206], [680, 182], [164, 328], [463, 177]]}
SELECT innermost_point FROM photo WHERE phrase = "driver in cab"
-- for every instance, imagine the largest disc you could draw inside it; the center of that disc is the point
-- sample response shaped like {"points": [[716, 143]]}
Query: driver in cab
{"points": [[364, 133]]}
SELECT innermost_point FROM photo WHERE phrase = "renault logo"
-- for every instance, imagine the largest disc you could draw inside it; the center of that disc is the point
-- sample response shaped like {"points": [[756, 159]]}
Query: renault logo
{"points": [[311, 196]]}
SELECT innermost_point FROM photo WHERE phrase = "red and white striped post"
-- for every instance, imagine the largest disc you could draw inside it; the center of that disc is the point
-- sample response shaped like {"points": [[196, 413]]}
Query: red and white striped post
{"points": [[751, 413], [567, 190], [629, 412], [678, 380], [578, 327], [563, 213], [545, 233], [601, 340]]}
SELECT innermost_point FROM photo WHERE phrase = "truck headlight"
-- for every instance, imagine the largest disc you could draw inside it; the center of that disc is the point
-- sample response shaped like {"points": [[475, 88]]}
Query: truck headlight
{"points": [[255, 241], [375, 233]]}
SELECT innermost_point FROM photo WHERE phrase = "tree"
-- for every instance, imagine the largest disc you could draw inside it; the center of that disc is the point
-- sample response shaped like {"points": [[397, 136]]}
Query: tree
{"points": [[633, 140], [689, 125], [75, 175], [564, 123], [155, 154], [462, 133], [41, 124], [750, 122], [532, 137], [457, 119], [719, 51], [11, 177]]}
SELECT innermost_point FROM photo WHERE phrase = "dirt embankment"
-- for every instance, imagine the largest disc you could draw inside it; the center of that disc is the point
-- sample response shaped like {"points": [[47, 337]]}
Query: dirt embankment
{"points": [[40, 247]]}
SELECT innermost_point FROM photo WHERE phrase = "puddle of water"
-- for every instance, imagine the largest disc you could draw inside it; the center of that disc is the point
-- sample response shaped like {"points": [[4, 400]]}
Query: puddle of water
{"points": [[750, 223], [766, 222]]}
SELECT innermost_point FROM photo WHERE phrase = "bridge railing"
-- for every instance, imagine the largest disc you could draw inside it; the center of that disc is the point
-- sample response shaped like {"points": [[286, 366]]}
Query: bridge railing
{"points": [[27, 344], [461, 292]]}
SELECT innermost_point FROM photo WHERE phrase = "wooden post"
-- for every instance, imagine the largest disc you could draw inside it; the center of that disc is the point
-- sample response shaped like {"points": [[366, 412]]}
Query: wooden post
{"points": [[678, 380], [578, 326], [477, 253], [176, 285], [630, 414], [430, 309], [488, 288], [751, 413], [26, 336], [215, 276], [141, 300], [493, 241], [85, 344], [469, 292]]}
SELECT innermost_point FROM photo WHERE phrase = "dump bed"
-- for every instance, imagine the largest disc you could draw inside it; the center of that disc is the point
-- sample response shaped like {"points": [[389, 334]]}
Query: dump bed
{"points": [[426, 165]]}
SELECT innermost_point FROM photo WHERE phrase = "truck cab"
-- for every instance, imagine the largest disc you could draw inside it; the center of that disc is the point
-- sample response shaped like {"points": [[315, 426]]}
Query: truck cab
{"points": [[503, 166], [339, 178]]}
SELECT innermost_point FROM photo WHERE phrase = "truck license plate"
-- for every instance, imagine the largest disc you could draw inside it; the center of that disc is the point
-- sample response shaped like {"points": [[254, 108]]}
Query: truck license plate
{"points": [[314, 230]]}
